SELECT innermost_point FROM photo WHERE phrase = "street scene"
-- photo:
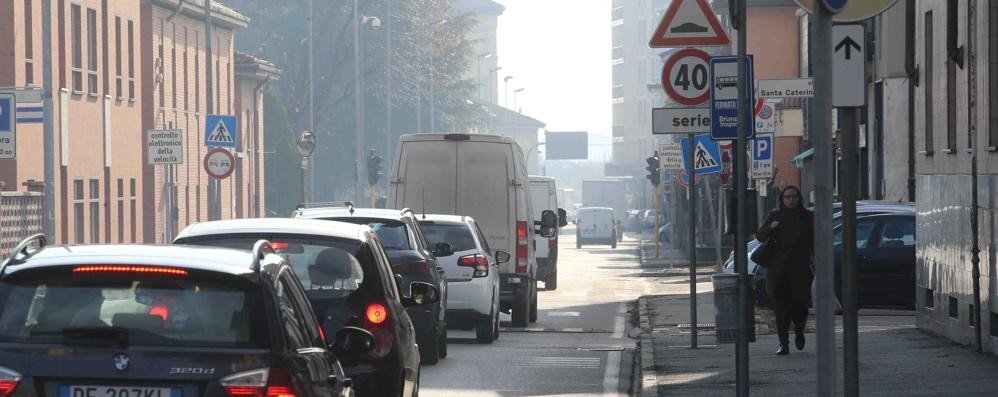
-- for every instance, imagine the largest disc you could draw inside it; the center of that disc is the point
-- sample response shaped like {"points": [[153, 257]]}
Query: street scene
{"points": [[502, 198]]}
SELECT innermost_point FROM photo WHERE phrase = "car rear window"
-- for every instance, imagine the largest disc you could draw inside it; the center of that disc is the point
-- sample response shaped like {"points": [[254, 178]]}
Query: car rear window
{"points": [[393, 234], [457, 235], [191, 309]]}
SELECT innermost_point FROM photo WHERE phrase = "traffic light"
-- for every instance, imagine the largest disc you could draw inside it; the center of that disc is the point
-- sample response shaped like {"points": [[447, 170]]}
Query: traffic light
{"points": [[373, 168], [654, 175]]}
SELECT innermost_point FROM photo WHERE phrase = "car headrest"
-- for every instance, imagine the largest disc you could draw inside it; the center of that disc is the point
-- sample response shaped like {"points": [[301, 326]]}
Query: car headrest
{"points": [[332, 264]]}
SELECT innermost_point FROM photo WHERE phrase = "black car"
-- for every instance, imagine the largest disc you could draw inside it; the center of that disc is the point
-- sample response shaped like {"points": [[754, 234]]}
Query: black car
{"points": [[349, 282], [411, 257], [885, 260], [129, 321]]}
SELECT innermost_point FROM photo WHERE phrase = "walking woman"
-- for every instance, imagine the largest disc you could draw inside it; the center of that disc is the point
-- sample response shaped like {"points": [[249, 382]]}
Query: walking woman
{"points": [[790, 230]]}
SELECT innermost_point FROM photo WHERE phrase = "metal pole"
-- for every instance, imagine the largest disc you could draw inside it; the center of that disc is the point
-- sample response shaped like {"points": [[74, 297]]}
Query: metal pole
{"points": [[718, 224], [213, 199], [975, 249], [304, 168], [850, 336], [357, 103], [658, 209], [388, 89], [691, 148], [307, 183], [47, 127], [821, 135], [741, 232]]}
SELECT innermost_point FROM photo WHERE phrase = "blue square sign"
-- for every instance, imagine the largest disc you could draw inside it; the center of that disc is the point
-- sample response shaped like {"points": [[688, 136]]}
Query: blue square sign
{"points": [[706, 157], [724, 98], [220, 130]]}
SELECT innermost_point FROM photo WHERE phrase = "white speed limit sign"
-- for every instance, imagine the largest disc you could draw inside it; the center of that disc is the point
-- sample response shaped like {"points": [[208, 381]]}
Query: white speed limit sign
{"points": [[685, 77]]}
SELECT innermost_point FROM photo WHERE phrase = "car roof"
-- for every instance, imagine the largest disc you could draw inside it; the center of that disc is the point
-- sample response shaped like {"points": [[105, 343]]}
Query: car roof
{"points": [[460, 136], [223, 260], [325, 212], [445, 218], [277, 225], [596, 208], [540, 178]]}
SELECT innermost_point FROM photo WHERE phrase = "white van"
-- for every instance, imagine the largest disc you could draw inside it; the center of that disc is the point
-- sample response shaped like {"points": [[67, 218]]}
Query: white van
{"points": [[544, 196], [595, 225], [484, 177]]}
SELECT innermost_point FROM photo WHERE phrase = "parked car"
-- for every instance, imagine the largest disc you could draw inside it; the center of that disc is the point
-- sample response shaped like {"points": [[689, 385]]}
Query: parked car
{"points": [[410, 256], [597, 225], [161, 321], [472, 274], [349, 282], [484, 177], [885, 260], [544, 197]]}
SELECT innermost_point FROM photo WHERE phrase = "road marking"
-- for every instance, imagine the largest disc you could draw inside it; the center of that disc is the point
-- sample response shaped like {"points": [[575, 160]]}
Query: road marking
{"points": [[564, 314], [618, 322], [560, 362], [611, 376]]}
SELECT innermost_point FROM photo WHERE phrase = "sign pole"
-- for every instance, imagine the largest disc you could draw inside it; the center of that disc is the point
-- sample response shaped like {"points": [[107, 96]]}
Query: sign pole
{"points": [[821, 134], [741, 259], [691, 172], [658, 209], [48, 128], [374, 195], [850, 321]]}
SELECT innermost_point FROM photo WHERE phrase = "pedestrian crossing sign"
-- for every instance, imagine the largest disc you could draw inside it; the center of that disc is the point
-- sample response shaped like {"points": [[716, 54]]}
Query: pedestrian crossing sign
{"points": [[220, 131], [706, 155]]}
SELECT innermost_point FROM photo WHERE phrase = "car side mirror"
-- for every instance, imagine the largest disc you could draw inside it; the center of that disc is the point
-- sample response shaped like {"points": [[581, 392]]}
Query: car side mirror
{"points": [[549, 224], [421, 293], [443, 249], [502, 256], [562, 217], [350, 343]]}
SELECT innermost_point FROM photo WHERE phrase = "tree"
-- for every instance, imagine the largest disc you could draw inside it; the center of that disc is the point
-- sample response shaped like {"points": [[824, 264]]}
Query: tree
{"points": [[281, 159]]}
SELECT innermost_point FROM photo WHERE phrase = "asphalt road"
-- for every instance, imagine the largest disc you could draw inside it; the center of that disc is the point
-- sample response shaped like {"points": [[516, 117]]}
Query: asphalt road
{"points": [[578, 346]]}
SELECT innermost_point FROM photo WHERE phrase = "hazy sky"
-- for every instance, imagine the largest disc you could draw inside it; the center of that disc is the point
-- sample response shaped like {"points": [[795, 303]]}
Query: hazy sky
{"points": [[559, 52]]}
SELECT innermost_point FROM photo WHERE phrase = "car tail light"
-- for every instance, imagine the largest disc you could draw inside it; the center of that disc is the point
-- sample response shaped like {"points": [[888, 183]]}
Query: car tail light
{"points": [[277, 246], [130, 269], [479, 262], [418, 267], [521, 246], [8, 381], [377, 321], [263, 382]]}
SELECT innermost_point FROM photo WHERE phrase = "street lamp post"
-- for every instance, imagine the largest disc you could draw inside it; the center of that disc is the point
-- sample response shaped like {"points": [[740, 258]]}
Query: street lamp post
{"points": [[478, 73], [358, 90], [491, 90], [516, 93], [505, 95]]}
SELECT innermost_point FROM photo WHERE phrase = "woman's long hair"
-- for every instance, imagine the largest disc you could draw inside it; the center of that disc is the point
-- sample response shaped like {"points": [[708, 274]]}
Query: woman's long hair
{"points": [[800, 199]]}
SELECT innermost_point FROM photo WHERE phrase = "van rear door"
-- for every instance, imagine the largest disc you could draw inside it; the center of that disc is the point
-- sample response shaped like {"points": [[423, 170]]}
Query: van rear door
{"points": [[428, 175], [596, 223], [485, 193]]}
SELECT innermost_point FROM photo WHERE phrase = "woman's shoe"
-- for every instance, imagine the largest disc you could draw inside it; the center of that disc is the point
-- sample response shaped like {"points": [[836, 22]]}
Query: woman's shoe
{"points": [[783, 350], [799, 339]]}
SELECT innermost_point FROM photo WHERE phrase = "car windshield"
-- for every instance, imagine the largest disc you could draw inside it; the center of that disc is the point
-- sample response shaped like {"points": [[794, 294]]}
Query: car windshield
{"points": [[394, 235], [66, 307], [458, 235]]}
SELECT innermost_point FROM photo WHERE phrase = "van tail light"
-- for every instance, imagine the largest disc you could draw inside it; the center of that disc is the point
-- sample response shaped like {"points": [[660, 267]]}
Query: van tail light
{"points": [[479, 262], [377, 321], [263, 382], [553, 242], [418, 267], [8, 381], [521, 246]]}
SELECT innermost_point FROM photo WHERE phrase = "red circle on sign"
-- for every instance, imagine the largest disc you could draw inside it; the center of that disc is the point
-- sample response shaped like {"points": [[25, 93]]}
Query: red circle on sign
{"points": [[214, 170], [667, 73]]}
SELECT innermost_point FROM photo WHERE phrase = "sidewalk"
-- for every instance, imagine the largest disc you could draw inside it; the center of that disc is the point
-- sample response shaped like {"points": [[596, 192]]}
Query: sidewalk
{"points": [[896, 359]]}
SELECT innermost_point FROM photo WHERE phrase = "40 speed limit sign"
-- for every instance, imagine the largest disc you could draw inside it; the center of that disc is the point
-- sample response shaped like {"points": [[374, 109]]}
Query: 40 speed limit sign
{"points": [[685, 77]]}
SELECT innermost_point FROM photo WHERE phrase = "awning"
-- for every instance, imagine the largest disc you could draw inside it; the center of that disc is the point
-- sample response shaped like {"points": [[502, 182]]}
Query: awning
{"points": [[798, 160]]}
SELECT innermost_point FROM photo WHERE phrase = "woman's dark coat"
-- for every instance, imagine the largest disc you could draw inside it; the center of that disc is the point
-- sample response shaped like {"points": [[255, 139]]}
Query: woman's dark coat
{"points": [[789, 274]]}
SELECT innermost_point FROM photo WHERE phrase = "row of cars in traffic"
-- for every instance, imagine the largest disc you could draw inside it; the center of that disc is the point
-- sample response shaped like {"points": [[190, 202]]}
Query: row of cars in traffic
{"points": [[334, 300]]}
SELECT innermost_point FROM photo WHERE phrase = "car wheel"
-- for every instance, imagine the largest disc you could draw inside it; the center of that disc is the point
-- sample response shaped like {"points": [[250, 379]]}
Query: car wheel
{"points": [[551, 282], [495, 325], [533, 305], [485, 332], [520, 311], [429, 352], [443, 344]]}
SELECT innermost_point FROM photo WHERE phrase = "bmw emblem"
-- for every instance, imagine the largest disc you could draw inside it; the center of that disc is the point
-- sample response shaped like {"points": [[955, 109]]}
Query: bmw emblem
{"points": [[121, 362]]}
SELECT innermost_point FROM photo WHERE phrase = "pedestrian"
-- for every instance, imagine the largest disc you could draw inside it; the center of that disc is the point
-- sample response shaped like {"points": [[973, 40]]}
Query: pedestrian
{"points": [[790, 231]]}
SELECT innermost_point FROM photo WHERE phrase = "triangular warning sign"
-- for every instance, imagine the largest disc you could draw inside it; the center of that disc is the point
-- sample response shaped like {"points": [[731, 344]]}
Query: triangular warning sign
{"points": [[689, 23], [702, 158], [220, 134]]}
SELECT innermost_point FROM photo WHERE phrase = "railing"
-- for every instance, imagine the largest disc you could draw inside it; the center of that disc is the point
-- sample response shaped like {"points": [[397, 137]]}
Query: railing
{"points": [[21, 215]]}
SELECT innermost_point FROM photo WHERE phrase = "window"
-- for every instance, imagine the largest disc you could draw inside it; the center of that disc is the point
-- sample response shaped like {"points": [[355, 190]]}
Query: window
{"points": [[927, 83], [118, 89], [121, 210], [161, 66], [864, 228], [290, 318], [930, 298], [481, 237], [92, 51], [77, 49], [197, 71], [94, 210], [993, 75], [898, 233], [457, 235], [954, 307], [617, 53], [131, 63], [29, 48], [78, 211], [133, 209], [186, 93], [309, 328], [951, 65], [617, 14]]}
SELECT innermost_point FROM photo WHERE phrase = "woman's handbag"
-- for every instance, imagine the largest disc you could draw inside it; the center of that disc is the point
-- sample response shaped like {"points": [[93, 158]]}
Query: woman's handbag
{"points": [[764, 253]]}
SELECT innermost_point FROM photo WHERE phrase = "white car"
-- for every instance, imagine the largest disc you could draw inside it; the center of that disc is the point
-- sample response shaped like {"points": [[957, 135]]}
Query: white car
{"points": [[472, 274], [596, 225]]}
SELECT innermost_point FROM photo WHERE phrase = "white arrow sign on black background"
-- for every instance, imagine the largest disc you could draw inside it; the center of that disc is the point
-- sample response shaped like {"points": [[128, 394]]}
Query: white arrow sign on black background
{"points": [[848, 65]]}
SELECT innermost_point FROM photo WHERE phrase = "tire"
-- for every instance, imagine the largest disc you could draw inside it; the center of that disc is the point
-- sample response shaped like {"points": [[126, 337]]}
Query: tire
{"points": [[519, 312], [496, 326], [485, 332], [429, 353], [442, 343], [551, 282], [533, 305]]}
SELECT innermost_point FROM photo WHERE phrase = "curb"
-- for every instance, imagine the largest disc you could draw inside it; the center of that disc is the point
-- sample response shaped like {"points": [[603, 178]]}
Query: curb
{"points": [[649, 378]]}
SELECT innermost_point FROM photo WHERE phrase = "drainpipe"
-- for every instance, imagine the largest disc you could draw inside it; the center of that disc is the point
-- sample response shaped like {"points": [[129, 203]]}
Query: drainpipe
{"points": [[975, 249], [912, 72], [259, 151]]}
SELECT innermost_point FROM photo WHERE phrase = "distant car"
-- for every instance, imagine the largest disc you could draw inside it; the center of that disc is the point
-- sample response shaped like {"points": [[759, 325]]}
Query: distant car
{"points": [[596, 225], [472, 274], [349, 282], [163, 321], [411, 257]]}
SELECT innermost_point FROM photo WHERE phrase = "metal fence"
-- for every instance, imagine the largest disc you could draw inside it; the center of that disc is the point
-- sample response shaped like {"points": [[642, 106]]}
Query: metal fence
{"points": [[21, 215]]}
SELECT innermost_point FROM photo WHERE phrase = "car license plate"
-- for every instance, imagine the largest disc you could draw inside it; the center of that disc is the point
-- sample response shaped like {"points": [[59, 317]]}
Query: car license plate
{"points": [[117, 391]]}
